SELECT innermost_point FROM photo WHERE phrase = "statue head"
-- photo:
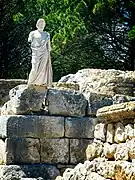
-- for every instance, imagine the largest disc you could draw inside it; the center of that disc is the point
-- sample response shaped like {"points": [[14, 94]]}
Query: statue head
{"points": [[40, 24]]}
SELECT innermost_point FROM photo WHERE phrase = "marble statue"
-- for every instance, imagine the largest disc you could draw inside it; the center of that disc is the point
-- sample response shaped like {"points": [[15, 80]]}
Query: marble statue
{"points": [[41, 72]]}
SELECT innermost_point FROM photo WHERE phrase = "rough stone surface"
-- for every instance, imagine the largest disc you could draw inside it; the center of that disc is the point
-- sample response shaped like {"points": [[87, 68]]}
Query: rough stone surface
{"points": [[22, 150], [77, 150], [110, 133], [100, 131], [117, 112], [54, 151], [109, 150], [27, 98], [96, 101], [100, 169], [6, 85], [66, 103], [109, 82], [66, 86], [122, 151], [31, 126], [28, 172], [94, 150], [129, 131], [80, 127], [119, 132], [6, 109], [131, 146], [2, 152]]}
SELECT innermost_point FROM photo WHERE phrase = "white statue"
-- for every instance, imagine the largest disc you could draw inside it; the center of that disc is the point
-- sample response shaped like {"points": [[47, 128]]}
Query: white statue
{"points": [[41, 72]]}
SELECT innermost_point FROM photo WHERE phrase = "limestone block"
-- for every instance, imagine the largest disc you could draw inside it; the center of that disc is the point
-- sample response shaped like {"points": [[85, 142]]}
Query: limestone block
{"points": [[119, 132], [129, 131], [100, 131], [28, 172], [131, 146], [82, 127], [66, 86], [120, 98], [77, 150], [66, 103], [96, 101], [6, 85], [2, 152], [117, 112], [122, 151], [94, 150], [6, 109], [54, 151], [22, 150], [109, 150], [110, 133], [27, 98], [31, 126]]}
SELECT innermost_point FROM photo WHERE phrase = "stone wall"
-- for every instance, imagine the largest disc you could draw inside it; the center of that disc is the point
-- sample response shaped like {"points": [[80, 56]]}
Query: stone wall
{"points": [[111, 155]]}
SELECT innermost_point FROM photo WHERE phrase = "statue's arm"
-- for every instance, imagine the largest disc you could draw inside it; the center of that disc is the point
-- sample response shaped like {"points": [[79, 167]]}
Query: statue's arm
{"points": [[30, 37]]}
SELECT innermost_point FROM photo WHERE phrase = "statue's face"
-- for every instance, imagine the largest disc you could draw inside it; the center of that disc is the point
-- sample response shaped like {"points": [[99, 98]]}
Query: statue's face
{"points": [[41, 25]]}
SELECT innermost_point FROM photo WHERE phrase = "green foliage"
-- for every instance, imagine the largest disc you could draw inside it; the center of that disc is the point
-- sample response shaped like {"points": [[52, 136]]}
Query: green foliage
{"points": [[84, 34]]}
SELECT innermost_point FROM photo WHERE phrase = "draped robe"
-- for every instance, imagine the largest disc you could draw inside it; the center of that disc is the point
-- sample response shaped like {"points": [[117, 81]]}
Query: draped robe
{"points": [[41, 72]]}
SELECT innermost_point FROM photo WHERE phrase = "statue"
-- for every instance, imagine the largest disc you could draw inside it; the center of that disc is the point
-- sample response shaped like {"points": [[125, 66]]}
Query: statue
{"points": [[41, 72]]}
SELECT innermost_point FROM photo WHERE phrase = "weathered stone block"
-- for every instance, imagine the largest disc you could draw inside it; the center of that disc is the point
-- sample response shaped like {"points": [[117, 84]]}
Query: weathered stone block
{"points": [[129, 131], [109, 150], [122, 151], [21, 150], [54, 151], [20, 172], [6, 85], [100, 131], [27, 98], [66, 103], [119, 132], [131, 146], [31, 126], [110, 133], [80, 127], [117, 112], [94, 150], [2, 152], [96, 101], [77, 150]]}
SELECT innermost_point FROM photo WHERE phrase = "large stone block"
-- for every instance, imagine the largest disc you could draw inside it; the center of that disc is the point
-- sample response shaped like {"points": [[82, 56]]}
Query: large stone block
{"points": [[80, 127], [66, 103], [6, 85], [55, 151], [77, 150], [117, 112], [31, 126], [21, 150], [119, 133], [96, 101], [27, 98], [28, 172]]}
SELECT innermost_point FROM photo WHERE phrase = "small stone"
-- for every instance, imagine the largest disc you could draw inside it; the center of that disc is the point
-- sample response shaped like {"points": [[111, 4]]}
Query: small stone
{"points": [[129, 131], [100, 131], [109, 150], [110, 133], [94, 150], [131, 146], [122, 151], [119, 133]]}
